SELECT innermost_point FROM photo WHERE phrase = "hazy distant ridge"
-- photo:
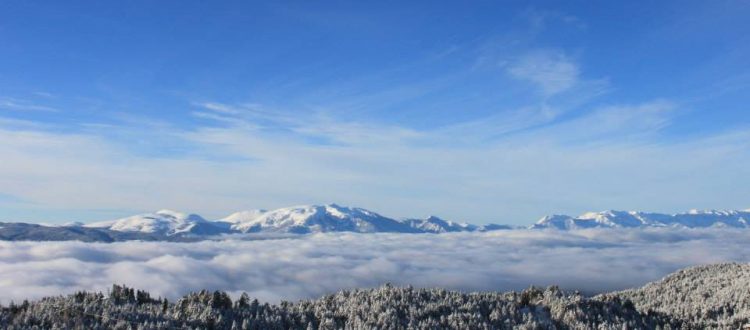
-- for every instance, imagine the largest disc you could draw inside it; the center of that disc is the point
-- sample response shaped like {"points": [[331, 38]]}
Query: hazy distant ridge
{"points": [[623, 219]]}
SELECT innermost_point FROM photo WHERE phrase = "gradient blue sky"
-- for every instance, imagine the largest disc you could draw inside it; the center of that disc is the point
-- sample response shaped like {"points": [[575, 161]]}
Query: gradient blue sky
{"points": [[484, 111]]}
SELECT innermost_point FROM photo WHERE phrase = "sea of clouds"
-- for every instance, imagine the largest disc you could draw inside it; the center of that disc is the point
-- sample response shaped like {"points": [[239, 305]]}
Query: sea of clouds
{"points": [[309, 266]]}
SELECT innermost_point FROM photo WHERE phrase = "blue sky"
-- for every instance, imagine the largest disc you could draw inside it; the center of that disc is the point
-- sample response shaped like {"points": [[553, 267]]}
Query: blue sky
{"points": [[481, 111]]}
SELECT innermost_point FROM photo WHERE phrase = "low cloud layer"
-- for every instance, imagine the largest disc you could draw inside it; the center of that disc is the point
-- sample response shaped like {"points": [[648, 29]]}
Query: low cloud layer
{"points": [[309, 266]]}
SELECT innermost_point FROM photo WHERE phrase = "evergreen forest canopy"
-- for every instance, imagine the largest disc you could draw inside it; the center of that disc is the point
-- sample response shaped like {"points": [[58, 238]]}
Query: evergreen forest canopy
{"points": [[714, 296]]}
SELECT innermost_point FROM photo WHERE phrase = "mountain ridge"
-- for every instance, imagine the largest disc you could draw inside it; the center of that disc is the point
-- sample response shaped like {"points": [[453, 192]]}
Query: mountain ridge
{"points": [[632, 219], [310, 219]]}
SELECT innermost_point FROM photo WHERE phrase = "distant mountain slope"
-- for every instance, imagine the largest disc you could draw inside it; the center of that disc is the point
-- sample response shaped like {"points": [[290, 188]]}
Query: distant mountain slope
{"points": [[172, 225], [15, 231], [622, 219], [242, 217], [319, 219], [493, 226], [164, 222], [714, 296], [434, 224]]}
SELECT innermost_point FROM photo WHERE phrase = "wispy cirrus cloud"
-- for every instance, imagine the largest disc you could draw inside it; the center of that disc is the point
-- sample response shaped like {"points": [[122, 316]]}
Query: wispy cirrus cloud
{"points": [[7, 103], [250, 161], [501, 128], [553, 72], [540, 19], [626, 123]]}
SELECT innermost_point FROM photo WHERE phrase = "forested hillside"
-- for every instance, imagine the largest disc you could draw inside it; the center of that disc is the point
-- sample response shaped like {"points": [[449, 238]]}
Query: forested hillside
{"points": [[695, 298], [714, 296], [384, 308]]}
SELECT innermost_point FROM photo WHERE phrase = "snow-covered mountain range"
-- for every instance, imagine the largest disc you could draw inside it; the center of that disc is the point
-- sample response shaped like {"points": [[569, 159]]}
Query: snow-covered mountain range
{"points": [[166, 224], [315, 219], [296, 220], [623, 219]]}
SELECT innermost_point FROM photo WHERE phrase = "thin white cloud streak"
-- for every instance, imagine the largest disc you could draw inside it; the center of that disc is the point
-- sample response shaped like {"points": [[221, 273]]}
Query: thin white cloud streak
{"points": [[309, 266], [456, 173], [611, 124], [21, 105], [540, 19], [552, 77], [553, 72], [250, 156]]}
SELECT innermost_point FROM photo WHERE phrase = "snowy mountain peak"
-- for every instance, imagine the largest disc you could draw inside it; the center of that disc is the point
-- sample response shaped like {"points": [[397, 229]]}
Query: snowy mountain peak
{"points": [[243, 216], [554, 217], [336, 218], [613, 218], [179, 216], [557, 221], [320, 218], [608, 214], [622, 219], [436, 219], [714, 212], [162, 222], [434, 224]]}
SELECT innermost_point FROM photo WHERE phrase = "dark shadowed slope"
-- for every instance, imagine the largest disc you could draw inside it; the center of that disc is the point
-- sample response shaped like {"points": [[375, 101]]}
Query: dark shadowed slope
{"points": [[14, 231]]}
